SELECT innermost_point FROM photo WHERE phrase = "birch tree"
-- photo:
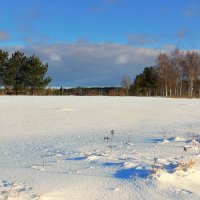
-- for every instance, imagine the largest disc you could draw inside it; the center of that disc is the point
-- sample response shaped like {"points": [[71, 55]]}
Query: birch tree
{"points": [[192, 70], [164, 71]]}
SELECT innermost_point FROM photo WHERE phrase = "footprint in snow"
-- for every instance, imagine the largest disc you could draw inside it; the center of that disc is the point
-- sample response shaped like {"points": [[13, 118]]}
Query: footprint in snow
{"points": [[13, 190]]}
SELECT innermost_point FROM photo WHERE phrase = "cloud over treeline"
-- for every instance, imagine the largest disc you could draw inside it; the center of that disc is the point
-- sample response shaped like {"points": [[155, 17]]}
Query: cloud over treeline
{"points": [[91, 64]]}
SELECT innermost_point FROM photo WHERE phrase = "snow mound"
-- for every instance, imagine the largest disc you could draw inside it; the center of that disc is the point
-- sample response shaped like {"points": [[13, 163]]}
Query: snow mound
{"points": [[182, 179], [128, 165], [179, 139], [165, 141]]}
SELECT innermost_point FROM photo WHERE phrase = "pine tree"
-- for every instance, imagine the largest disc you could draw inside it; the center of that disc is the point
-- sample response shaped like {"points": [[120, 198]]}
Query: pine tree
{"points": [[138, 85], [3, 64], [14, 71], [149, 80], [35, 74]]}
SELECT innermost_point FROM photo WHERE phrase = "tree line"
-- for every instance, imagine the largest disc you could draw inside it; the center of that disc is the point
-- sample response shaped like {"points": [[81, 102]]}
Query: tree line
{"points": [[20, 74], [176, 74], [92, 91]]}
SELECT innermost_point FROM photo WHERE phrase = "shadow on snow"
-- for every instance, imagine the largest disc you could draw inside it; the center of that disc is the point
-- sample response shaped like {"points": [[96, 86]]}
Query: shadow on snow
{"points": [[77, 158], [140, 172], [112, 164]]}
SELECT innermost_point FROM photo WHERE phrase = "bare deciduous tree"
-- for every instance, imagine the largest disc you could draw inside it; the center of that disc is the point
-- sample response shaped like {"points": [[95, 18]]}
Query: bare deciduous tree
{"points": [[192, 69], [177, 69], [126, 82], [164, 71]]}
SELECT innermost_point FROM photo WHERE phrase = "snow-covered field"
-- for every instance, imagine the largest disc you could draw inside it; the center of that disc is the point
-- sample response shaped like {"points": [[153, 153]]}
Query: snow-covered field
{"points": [[61, 148]]}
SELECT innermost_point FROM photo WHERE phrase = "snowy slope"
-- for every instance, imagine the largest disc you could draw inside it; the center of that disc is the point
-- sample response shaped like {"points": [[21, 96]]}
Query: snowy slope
{"points": [[53, 148]]}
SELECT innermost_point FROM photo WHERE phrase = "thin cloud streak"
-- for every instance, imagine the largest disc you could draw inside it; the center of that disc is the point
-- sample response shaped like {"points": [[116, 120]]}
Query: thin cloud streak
{"points": [[142, 39], [4, 36], [192, 10]]}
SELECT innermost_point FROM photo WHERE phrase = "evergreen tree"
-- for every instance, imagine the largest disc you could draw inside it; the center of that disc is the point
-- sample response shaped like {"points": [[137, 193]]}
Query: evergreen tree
{"points": [[145, 83], [149, 80], [3, 64], [35, 74], [14, 72], [138, 85]]}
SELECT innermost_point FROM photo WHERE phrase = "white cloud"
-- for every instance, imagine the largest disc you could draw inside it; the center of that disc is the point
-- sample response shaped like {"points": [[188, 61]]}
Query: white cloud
{"points": [[55, 57], [123, 59], [85, 63]]}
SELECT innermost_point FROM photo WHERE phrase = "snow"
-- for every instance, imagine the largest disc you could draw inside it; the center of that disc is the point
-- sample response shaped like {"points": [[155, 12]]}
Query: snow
{"points": [[53, 148]]}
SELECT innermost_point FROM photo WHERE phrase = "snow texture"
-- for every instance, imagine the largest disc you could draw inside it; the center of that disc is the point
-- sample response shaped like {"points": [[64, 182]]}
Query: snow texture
{"points": [[63, 148]]}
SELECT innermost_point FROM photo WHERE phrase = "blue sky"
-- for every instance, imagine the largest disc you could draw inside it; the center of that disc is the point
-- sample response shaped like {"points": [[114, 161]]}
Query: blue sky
{"points": [[97, 42]]}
